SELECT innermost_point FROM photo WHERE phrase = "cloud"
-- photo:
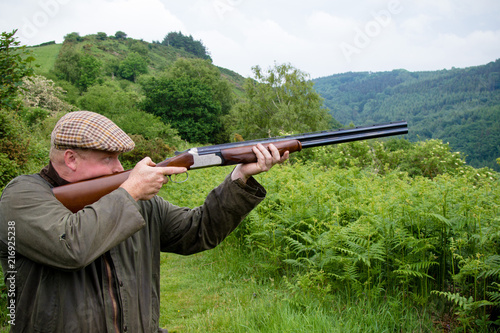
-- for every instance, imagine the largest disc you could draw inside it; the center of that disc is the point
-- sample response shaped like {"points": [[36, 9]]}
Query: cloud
{"points": [[53, 19]]}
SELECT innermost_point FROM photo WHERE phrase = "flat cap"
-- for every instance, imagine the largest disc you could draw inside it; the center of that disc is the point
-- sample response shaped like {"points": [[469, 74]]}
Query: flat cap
{"points": [[89, 130]]}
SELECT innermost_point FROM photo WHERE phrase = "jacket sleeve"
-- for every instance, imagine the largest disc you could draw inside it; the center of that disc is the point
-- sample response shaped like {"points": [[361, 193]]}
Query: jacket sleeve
{"points": [[187, 231], [48, 233]]}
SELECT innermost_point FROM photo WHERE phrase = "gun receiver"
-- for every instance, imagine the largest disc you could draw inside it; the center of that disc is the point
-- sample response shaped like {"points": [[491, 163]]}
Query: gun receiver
{"points": [[77, 195]]}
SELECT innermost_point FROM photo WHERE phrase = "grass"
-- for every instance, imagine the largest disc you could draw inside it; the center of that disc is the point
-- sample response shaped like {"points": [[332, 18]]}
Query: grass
{"points": [[45, 57], [220, 291]]}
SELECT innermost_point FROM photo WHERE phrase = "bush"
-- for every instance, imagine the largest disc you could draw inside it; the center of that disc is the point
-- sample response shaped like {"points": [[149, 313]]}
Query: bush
{"points": [[156, 149], [121, 107], [15, 64], [8, 170], [40, 92], [426, 158], [14, 146]]}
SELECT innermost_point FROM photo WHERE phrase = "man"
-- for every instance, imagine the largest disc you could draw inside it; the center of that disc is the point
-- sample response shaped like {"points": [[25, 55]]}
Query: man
{"points": [[97, 270]]}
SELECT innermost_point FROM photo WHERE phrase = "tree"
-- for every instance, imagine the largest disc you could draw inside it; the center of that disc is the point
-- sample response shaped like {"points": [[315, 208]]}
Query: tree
{"points": [[186, 43], [120, 35], [66, 64], [82, 70], [15, 64], [132, 66], [208, 74], [197, 111], [40, 92], [73, 37], [187, 104], [101, 36], [90, 68], [281, 101]]}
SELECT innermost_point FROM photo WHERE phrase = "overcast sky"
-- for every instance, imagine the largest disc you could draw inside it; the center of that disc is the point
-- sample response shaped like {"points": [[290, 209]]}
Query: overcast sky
{"points": [[319, 37]]}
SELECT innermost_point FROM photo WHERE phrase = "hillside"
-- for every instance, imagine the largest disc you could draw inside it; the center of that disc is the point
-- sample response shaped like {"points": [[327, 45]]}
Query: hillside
{"points": [[459, 106], [110, 51]]}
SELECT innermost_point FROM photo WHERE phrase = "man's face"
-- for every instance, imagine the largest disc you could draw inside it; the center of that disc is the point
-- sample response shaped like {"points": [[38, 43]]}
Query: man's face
{"points": [[95, 163]]}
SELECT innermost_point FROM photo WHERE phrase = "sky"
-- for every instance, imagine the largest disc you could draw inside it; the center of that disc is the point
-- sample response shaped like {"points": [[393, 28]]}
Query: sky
{"points": [[318, 37]]}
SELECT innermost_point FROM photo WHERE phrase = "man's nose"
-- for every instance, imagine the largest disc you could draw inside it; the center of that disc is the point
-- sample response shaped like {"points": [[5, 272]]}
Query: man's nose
{"points": [[117, 167]]}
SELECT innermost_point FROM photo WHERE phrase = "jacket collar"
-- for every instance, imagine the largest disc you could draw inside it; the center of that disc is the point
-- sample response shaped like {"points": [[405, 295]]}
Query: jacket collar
{"points": [[50, 174]]}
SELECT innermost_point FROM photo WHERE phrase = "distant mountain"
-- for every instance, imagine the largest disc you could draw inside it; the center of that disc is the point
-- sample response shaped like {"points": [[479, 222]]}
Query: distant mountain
{"points": [[459, 106]]}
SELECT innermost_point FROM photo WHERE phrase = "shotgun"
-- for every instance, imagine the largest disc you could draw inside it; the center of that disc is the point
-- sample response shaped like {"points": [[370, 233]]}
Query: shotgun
{"points": [[77, 195]]}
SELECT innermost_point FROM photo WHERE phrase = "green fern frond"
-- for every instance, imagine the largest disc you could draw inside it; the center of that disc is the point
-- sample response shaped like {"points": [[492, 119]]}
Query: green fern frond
{"points": [[439, 218], [408, 272], [296, 246], [463, 302]]}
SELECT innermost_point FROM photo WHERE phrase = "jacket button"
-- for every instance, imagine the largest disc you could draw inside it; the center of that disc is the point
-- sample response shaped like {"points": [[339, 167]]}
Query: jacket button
{"points": [[121, 283]]}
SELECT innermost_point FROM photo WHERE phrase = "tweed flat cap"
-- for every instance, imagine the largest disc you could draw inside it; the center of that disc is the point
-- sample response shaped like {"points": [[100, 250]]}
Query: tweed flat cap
{"points": [[89, 130]]}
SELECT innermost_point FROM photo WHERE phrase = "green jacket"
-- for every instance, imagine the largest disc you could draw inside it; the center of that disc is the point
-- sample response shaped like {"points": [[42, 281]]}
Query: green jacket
{"points": [[98, 270]]}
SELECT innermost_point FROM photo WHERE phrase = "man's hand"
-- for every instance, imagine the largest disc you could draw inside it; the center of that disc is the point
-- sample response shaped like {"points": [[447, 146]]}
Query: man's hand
{"points": [[146, 179], [266, 159]]}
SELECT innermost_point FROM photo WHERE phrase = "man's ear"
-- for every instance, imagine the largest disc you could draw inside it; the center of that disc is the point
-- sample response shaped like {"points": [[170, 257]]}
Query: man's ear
{"points": [[71, 159]]}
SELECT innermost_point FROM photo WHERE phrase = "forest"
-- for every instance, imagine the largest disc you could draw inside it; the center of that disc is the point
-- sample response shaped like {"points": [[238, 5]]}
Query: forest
{"points": [[459, 106], [397, 234]]}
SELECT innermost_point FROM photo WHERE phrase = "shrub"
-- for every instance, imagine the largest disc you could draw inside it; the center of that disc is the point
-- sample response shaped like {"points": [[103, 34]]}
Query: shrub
{"points": [[426, 158], [40, 92], [156, 149], [14, 146]]}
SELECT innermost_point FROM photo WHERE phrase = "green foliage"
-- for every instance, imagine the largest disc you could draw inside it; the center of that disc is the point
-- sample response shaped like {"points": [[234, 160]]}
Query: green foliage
{"points": [[90, 68], [120, 35], [155, 148], [279, 101], [218, 291], [15, 63], [121, 107], [331, 230], [466, 311], [192, 97], [101, 36], [73, 37], [426, 158], [82, 70], [14, 146], [186, 104], [66, 65], [187, 43], [132, 66], [204, 71]]}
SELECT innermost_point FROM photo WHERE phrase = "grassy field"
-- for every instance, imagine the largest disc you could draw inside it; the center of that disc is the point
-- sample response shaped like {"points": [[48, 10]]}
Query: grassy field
{"points": [[45, 57], [216, 291]]}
